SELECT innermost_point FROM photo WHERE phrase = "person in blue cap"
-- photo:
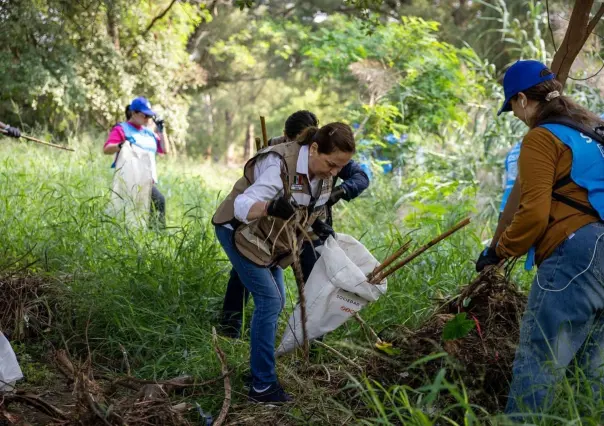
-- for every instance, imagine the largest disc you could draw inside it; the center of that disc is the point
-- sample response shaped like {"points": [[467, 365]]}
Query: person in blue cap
{"points": [[135, 130], [561, 177]]}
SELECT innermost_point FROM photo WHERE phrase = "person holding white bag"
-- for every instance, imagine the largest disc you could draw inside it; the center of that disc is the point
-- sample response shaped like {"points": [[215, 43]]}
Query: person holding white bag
{"points": [[136, 131], [282, 186]]}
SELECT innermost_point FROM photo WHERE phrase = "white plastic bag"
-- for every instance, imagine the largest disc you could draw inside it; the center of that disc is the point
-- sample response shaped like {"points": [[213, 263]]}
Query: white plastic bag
{"points": [[10, 371], [132, 184], [336, 289]]}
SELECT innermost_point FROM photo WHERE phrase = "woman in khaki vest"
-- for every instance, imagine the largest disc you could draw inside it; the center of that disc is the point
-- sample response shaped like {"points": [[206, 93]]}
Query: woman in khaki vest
{"points": [[282, 190]]}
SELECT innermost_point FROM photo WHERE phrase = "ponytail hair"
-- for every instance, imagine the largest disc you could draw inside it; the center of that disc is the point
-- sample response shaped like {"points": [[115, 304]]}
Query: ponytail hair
{"points": [[552, 103], [329, 138]]}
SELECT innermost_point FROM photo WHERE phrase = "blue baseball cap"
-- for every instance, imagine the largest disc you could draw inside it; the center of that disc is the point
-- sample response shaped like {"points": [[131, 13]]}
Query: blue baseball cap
{"points": [[521, 76], [142, 105]]}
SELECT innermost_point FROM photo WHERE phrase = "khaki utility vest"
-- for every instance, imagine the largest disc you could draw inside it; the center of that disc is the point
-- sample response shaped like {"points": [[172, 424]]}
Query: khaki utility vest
{"points": [[277, 140], [325, 211], [265, 241]]}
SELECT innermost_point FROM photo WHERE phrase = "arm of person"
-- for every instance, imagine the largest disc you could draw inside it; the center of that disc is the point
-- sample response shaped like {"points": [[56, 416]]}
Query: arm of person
{"points": [[354, 180], [536, 174], [507, 215], [115, 138], [9, 131], [253, 202], [162, 146]]}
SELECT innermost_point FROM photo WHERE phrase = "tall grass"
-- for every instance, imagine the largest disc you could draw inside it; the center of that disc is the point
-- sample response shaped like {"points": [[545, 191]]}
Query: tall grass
{"points": [[158, 294]]}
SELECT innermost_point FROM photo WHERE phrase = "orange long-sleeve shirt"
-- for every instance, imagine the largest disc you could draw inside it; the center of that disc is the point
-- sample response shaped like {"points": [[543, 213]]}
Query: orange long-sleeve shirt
{"points": [[541, 221]]}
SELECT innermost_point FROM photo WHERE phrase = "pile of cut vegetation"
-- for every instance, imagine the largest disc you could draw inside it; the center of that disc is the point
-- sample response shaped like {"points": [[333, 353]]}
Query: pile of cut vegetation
{"points": [[25, 305], [75, 394], [83, 398], [478, 329]]}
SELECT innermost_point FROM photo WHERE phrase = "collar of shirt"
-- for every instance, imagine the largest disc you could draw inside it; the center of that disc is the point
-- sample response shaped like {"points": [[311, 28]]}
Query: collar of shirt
{"points": [[302, 165], [135, 126], [302, 168]]}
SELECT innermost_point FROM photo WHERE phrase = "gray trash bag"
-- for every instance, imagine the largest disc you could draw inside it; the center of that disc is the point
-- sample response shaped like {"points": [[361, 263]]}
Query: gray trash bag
{"points": [[10, 371]]}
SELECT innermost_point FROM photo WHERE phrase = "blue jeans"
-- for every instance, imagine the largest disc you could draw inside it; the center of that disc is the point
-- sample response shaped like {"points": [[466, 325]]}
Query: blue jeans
{"points": [[237, 295], [563, 321], [268, 290]]}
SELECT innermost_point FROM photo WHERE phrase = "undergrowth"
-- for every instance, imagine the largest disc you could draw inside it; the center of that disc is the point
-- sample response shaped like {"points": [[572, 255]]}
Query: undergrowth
{"points": [[157, 295]]}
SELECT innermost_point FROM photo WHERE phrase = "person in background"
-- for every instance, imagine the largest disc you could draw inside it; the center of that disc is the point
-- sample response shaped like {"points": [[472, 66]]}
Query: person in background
{"points": [[136, 131], [561, 181], [510, 174], [279, 187], [354, 182], [10, 131]]}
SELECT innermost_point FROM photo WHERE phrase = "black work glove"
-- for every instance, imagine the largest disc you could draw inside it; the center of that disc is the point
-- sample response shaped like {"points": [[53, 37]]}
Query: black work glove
{"points": [[281, 208], [13, 132], [488, 257], [159, 123], [336, 195], [322, 230]]}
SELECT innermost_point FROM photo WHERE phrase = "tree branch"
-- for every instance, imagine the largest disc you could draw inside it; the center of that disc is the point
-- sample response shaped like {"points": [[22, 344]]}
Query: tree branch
{"points": [[152, 23], [595, 20], [574, 39]]}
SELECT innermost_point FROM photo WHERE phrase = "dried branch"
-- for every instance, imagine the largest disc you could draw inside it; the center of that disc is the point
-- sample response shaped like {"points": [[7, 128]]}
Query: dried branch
{"points": [[389, 260], [36, 402], [371, 334], [125, 361], [384, 274], [227, 381], [299, 276], [339, 354], [472, 286]]}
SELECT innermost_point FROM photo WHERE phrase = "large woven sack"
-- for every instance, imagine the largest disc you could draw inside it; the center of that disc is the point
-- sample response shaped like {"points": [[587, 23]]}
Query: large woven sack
{"points": [[336, 289], [132, 184]]}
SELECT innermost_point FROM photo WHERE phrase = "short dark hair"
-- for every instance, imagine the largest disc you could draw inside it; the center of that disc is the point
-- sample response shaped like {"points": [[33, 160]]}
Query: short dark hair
{"points": [[298, 121], [128, 112]]}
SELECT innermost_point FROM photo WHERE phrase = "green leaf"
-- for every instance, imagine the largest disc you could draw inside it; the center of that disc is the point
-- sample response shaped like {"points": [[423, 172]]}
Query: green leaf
{"points": [[458, 327]]}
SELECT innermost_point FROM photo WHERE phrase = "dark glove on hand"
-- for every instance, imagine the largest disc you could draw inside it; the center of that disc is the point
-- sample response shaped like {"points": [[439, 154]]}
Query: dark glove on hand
{"points": [[13, 132], [487, 258], [322, 230], [336, 195], [281, 208], [159, 123]]}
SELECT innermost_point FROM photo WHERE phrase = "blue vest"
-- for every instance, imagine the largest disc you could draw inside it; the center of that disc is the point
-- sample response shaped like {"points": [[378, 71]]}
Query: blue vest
{"points": [[511, 173], [587, 169], [143, 138]]}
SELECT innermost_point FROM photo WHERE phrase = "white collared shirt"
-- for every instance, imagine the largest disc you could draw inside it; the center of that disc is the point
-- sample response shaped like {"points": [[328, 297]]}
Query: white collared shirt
{"points": [[268, 184]]}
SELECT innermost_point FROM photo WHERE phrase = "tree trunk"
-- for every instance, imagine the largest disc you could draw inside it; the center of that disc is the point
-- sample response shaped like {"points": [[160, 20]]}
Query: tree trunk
{"points": [[207, 102], [113, 28], [230, 152], [577, 33], [209, 108], [248, 147]]}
